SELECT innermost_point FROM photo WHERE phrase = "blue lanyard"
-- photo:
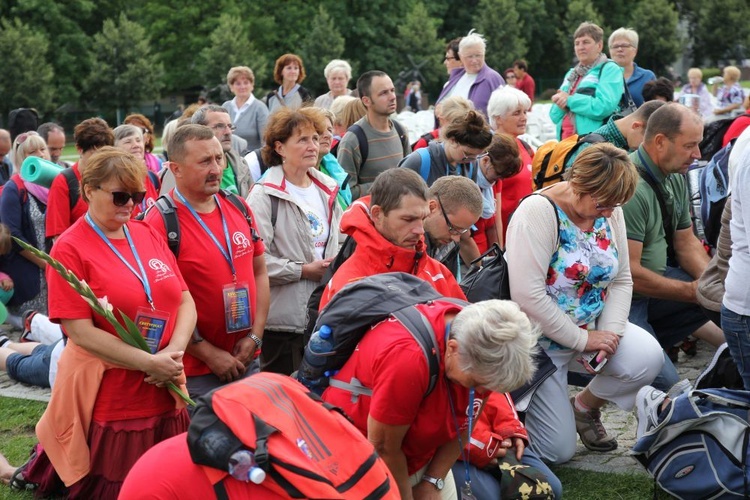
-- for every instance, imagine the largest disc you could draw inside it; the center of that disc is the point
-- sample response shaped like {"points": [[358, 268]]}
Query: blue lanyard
{"points": [[464, 453], [645, 164], [459, 166], [227, 256], [142, 275]]}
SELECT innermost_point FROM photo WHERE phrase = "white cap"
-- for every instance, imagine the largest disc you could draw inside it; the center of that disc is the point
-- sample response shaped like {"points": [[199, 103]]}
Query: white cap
{"points": [[257, 475]]}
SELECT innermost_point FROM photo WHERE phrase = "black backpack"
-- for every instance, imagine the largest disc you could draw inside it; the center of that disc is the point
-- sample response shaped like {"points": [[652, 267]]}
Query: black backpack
{"points": [[358, 306], [364, 147], [713, 137], [168, 210]]}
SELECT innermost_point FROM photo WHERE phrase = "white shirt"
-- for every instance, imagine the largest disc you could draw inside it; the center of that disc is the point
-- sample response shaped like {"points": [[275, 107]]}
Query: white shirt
{"points": [[463, 85], [312, 204], [238, 111]]}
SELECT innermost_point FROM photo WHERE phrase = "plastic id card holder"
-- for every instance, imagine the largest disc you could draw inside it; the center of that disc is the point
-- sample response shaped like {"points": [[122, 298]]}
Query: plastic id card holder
{"points": [[151, 323], [237, 307]]}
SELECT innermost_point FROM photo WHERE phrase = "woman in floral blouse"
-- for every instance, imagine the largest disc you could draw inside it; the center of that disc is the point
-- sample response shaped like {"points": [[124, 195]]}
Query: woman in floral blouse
{"points": [[567, 252]]}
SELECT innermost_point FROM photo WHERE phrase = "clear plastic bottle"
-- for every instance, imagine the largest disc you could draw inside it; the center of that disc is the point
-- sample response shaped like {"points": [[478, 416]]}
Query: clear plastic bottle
{"points": [[242, 466], [320, 345]]}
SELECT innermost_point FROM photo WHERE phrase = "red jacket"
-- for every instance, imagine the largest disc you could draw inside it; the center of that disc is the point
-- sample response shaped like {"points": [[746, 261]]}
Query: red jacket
{"points": [[497, 421], [376, 255]]}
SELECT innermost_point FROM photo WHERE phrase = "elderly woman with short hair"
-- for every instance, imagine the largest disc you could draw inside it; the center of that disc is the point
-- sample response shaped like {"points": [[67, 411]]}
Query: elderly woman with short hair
{"points": [[591, 90], [153, 162], [289, 73], [730, 95], [507, 108], [486, 346], [129, 138], [475, 80], [338, 73], [695, 86], [247, 113], [569, 270], [623, 47]]}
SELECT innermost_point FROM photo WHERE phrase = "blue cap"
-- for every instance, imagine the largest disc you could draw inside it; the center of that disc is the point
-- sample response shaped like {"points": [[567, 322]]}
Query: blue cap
{"points": [[324, 332]]}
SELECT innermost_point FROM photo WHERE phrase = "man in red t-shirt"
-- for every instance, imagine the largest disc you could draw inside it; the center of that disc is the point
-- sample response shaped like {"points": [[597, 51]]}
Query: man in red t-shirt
{"points": [[524, 82], [89, 135], [231, 290]]}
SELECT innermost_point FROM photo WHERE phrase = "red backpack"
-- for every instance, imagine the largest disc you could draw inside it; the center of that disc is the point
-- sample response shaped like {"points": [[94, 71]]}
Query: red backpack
{"points": [[19, 184], [307, 448]]}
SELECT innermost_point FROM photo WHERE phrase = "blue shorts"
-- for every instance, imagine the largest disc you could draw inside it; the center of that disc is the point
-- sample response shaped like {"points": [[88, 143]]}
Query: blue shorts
{"points": [[33, 368]]}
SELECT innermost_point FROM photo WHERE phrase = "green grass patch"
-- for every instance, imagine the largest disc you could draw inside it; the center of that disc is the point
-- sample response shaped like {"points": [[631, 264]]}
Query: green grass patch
{"points": [[588, 485], [17, 420]]}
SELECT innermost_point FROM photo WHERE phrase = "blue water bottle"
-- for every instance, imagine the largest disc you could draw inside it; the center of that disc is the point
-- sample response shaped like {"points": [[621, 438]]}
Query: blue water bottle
{"points": [[320, 345], [242, 466]]}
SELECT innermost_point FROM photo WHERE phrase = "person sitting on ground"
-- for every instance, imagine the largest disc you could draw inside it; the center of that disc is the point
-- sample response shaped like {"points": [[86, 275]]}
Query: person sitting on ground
{"points": [[666, 264], [730, 95], [486, 346], [30, 362], [298, 218], [695, 86], [569, 271], [661, 89], [591, 90], [497, 434], [388, 229]]}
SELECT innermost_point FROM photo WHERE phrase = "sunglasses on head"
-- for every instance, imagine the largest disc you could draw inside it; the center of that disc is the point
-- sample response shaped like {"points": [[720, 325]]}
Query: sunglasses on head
{"points": [[121, 198]]}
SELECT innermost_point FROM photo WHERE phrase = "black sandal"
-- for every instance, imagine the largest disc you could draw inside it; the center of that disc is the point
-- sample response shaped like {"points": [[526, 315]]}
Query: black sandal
{"points": [[17, 481]]}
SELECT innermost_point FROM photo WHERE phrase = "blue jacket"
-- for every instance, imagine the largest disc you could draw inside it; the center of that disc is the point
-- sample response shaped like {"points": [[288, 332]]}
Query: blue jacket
{"points": [[636, 82], [329, 165]]}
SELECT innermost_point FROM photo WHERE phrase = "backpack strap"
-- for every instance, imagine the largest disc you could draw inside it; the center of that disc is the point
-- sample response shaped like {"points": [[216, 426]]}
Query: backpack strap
{"points": [[154, 180], [274, 211], [237, 202], [168, 211], [424, 169], [528, 148], [21, 188], [666, 218], [402, 136], [74, 186], [364, 147], [422, 331]]}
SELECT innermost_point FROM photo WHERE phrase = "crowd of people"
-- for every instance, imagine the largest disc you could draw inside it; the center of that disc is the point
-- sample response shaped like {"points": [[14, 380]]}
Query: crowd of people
{"points": [[215, 248]]}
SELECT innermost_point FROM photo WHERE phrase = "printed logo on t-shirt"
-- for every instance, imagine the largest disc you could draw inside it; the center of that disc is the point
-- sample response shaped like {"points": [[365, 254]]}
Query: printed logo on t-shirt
{"points": [[243, 244], [150, 202], [163, 271], [316, 225]]}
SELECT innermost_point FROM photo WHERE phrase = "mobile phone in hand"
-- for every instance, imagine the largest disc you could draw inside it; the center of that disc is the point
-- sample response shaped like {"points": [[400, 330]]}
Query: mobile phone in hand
{"points": [[590, 359]]}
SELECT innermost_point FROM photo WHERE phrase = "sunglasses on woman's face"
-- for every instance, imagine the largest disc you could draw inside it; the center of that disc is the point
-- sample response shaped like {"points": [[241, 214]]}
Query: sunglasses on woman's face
{"points": [[121, 198]]}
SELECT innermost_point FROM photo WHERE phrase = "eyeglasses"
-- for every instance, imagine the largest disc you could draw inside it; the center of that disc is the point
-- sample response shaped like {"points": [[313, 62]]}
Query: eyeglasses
{"points": [[601, 208], [620, 46], [451, 228], [474, 56], [121, 198], [468, 157], [222, 126], [145, 131], [449, 58]]}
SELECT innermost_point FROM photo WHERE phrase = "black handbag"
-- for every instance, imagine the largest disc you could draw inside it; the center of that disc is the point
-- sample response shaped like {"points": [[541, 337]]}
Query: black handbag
{"points": [[488, 277]]}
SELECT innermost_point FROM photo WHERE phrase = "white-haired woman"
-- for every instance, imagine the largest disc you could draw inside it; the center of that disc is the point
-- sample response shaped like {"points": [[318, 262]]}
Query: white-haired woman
{"points": [[695, 86], [248, 114], [487, 346], [475, 81], [623, 47], [338, 73], [129, 138], [507, 109]]}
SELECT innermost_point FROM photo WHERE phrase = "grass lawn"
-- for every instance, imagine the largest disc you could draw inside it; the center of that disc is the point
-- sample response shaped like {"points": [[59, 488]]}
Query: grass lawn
{"points": [[18, 417], [17, 420]]}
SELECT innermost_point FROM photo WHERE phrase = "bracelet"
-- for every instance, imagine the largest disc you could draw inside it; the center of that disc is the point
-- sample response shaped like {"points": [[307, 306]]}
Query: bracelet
{"points": [[258, 341]]}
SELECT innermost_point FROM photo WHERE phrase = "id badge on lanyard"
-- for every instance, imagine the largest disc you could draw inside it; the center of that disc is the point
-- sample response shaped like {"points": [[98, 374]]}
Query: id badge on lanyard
{"points": [[237, 307], [152, 323]]}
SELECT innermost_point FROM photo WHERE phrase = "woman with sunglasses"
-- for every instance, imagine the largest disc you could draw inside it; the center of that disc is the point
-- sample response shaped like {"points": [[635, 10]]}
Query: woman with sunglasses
{"points": [[22, 209], [109, 403], [153, 162], [569, 270]]}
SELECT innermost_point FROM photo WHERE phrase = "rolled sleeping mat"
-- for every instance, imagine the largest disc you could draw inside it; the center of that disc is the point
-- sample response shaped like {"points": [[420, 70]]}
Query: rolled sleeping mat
{"points": [[3, 313], [39, 171], [5, 296]]}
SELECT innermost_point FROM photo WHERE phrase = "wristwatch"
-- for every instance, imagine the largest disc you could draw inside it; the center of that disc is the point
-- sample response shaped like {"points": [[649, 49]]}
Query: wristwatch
{"points": [[436, 481]]}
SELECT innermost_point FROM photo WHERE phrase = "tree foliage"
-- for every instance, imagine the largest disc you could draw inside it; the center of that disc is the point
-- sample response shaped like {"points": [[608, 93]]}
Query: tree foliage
{"points": [[321, 43], [579, 11], [124, 72], [229, 45], [421, 47], [659, 41], [722, 31], [26, 79], [500, 23]]}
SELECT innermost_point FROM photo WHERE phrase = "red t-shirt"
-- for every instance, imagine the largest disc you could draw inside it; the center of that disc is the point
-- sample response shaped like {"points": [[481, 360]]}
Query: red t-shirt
{"points": [[166, 472], [736, 128], [206, 271], [390, 361], [151, 195], [527, 86], [123, 394], [59, 216], [513, 189]]}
